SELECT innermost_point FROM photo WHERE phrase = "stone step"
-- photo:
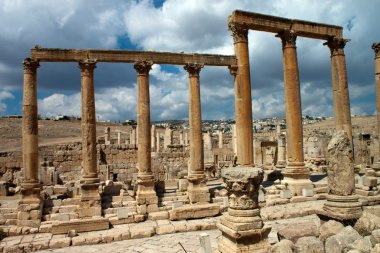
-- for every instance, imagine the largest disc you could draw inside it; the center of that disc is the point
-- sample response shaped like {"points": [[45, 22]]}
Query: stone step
{"points": [[84, 225]]}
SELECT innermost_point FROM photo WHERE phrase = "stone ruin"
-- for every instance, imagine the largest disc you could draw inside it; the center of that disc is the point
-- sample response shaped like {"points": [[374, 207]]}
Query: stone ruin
{"points": [[168, 178]]}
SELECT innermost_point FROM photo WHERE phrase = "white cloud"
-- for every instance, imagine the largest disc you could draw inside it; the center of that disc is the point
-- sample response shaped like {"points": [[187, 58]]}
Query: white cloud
{"points": [[4, 95]]}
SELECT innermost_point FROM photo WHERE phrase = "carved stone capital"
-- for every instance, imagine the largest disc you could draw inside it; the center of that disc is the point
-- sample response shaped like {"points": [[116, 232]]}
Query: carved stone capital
{"points": [[376, 48], [30, 65], [239, 33], [336, 45], [234, 69], [288, 38], [87, 67], [242, 184], [143, 67], [193, 69]]}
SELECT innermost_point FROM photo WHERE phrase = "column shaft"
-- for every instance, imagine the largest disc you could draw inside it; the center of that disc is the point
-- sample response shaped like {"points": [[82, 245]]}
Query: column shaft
{"points": [[376, 48], [88, 122], [243, 100]]}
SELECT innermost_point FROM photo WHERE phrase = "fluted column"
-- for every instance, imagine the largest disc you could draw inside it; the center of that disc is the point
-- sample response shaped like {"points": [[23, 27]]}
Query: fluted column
{"points": [[243, 100], [90, 179], [376, 48], [238, 105], [342, 112], [146, 196], [295, 173], [197, 190], [30, 187]]}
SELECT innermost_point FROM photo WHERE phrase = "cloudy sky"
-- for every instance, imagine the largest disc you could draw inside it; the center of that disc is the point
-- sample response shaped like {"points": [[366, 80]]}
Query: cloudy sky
{"points": [[181, 25]]}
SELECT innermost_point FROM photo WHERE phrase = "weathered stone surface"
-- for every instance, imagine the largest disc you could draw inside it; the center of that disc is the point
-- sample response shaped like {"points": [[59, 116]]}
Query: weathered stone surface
{"points": [[284, 246], [337, 243], [329, 228], [293, 232], [80, 225], [363, 245], [163, 215], [376, 249], [341, 179], [59, 242], [375, 237], [367, 223], [141, 232], [194, 211], [309, 244], [165, 229]]}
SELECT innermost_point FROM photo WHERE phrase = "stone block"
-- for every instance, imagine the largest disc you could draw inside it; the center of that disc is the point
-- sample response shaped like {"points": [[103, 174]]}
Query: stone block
{"points": [[78, 241], [293, 232], [182, 185], [141, 232], [158, 215], [142, 209], [152, 208], [57, 202], [122, 212], [370, 181], [45, 228], [194, 212], [68, 209], [286, 194], [176, 204], [284, 246], [362, 245], [338, 242], [375, 237], [329, 228], [307, 192], [90, 211], [165, 229], [138, 217], [367, 223], [59, 189], [59, 217], [179, 226], [80, 225]]}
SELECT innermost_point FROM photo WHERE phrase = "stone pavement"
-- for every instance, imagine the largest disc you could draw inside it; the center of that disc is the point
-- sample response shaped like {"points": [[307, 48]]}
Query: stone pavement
{"points": [[168, 243]]}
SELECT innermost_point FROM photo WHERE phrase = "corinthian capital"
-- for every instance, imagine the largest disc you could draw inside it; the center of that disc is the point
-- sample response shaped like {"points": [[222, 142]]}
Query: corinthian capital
{"points": [[336, 45], [143, 67], [288, 38], [30, 65], [239, 33], [87, 66], [376, 48], [193, 69]]}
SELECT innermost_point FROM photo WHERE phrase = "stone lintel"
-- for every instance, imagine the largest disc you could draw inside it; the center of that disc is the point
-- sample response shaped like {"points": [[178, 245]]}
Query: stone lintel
{"points": [[102, 55], [267, 23], [194, 211], [85, 225]]}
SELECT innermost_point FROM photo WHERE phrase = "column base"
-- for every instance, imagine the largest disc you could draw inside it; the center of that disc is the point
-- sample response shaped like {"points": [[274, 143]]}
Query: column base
{"points": [[29, 210], [281, 164], [197, 189], [90, 203], [297, 177], [146, 197], [243, 231], [342, 207]]}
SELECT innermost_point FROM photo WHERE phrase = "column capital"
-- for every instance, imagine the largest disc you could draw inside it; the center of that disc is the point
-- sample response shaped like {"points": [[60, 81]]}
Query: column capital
{"points": [[234, 70], [193, 69], [376, 48], [239, 33], [288, 38], [336, 45], [30, 65], [87, 66], [143, 67]]}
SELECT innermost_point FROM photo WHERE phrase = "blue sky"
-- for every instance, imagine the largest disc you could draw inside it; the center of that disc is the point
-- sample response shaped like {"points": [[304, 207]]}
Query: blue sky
{"points": [[175, 26]]}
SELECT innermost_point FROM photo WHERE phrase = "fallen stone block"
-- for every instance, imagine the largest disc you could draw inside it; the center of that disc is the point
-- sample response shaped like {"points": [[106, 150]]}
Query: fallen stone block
{"points": [[141, 232], [293, 232], [338, 242], [309, 244], [194, 212], [165, 229], [163, 215], [80, 225], [329, 228], [56, 243]]}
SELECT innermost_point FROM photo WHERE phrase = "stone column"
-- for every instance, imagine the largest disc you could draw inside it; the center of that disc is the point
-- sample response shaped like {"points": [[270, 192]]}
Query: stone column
{"points": [[30, 206], [234, 71], [186, 139], [234, 139], [158, 149], [376, 48], [118, 138], [146, 195], [243, 106], [342, 112], [281, 152], [296, 175], [90, 197], [153, 136], [132, 136], [107, 135], [220, 138], [242, 227], [197, 189], [181, 140], [168, 137]]}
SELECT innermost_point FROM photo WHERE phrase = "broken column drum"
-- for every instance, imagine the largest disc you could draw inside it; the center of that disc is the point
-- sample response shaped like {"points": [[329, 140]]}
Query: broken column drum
{"points": [[146, 195], [30, 206], [197, 190], [296, 175], [242, 227]]}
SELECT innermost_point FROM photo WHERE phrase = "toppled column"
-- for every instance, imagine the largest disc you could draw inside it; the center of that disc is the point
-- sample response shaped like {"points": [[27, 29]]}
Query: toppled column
{"points": [[296, 175], [197, 190], [107, 135], [30, 206], [376, 48], [342, 203], [90, 198], [146, 197], [153, 142], [168, 137], [242, 227]]}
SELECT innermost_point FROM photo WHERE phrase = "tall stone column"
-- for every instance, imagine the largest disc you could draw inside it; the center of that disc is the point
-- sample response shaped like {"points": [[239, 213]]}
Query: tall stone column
{"points": [[153, 140], [242, 227], [30, 206], [197, 189], [243, 100], [220, 135], [376, 48], [90, 197], [296, 175], [281, 152], [146, 195], [342, 112]]}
